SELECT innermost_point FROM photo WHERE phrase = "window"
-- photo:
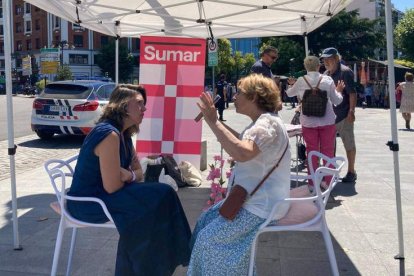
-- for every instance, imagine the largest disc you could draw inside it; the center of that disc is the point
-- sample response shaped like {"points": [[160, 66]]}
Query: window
{"points": [[19, 45], [18, 10], [37, 24], [78, 41], [28, 26], [95, 59], [1, 31], [56, 22], [2, 48], [27, 7], [2, 63], [29, 45], [1, 9], [105, 91], [78, 59], [77, 27], [104, 40], [19, 28], [37, 41]]}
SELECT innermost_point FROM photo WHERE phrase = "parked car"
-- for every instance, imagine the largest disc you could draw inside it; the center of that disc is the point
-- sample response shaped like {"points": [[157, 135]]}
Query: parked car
{"points": [[69, 107]]}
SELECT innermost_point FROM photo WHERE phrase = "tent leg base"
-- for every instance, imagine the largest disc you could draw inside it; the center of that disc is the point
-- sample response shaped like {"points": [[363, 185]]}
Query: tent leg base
{"points": [[399, 257]]}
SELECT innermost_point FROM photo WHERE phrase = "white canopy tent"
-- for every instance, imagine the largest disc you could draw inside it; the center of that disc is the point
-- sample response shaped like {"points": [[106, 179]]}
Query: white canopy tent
{"points": [[206, 19]]}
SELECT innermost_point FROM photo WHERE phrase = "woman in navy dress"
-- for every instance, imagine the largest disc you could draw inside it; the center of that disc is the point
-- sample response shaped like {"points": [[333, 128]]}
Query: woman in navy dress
{"points": [[153, 231]]}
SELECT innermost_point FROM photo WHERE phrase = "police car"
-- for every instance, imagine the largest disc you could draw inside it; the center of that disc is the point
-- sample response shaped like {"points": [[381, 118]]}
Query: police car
{"points": [[69, 107]]}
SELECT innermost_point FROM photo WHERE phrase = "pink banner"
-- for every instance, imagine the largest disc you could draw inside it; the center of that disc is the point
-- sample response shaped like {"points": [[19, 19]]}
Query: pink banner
{"points": [[172, 72]]}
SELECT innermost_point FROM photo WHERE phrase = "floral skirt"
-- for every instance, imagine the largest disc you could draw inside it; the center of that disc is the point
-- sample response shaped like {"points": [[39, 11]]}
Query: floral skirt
{"points": [[220, 246]]}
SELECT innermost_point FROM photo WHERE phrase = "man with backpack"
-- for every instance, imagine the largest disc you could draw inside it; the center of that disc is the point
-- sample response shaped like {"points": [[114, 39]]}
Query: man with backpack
{"points": [[345, 112]]}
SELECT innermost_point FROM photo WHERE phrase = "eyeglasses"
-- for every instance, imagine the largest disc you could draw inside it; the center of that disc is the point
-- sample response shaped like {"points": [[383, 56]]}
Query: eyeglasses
{"points": [[272, 57]]}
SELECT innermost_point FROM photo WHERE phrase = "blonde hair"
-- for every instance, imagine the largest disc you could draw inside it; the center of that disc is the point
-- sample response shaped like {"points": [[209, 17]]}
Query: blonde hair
{"points": [[311, 63], [265, 90], [409, 76], [116, 109]]}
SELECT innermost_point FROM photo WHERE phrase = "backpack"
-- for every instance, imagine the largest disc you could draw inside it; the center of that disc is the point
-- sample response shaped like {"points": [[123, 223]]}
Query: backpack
{"points": [[170, 166], [314, 100], [172, 169]]}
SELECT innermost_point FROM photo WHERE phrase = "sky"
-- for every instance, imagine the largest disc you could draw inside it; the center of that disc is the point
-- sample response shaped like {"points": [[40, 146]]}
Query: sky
{"points": [[403, 5]]}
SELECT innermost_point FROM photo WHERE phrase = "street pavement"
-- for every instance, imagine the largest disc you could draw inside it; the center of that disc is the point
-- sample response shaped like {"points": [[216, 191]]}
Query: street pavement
{"points": [[362, 219]]}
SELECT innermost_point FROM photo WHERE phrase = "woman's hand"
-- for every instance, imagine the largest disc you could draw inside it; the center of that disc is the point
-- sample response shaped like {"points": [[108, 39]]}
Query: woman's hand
{"points": [[340, 86], [208, 108], [126, 175]]}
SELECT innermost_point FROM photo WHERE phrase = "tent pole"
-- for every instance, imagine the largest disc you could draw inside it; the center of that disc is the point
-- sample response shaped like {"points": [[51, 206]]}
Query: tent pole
{"points": [[394, 143], [116, 60], [306, 46], [10, 130]]}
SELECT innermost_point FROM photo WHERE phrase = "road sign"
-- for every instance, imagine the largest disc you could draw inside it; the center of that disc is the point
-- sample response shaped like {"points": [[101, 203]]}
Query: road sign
{"points": [[212, 45], [49, 60], [27, 66]]}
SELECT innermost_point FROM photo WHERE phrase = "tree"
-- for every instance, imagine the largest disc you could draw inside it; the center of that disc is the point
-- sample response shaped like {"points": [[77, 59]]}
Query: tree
{"points": [[404, 34], [354, 37], [291, 55], [106, 61], [225, 58], [64, 73]]}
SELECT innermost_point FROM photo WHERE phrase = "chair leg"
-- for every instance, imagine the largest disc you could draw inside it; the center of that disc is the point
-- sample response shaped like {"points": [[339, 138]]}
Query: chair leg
{"points": [[329, 248], [253, 255], [58, 246], [72, 248]]}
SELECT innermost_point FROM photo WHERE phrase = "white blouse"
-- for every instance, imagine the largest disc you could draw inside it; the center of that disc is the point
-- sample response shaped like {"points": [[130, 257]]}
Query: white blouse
{"points": [[334, 97], [270, 135]]}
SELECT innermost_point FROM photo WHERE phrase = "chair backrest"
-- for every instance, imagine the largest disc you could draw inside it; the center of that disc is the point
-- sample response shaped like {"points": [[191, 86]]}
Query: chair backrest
{"points": [[59, 171], [320, 198], [331, 167]]}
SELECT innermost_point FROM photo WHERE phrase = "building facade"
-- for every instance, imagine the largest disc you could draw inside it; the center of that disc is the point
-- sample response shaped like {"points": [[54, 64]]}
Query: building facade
{"points": [[33, 29], [374, 9]]}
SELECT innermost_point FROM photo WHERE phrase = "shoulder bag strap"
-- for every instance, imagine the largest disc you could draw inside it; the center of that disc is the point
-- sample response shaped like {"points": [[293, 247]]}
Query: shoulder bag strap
{"points": [[308, 82], [319, 82], [268, 174]]}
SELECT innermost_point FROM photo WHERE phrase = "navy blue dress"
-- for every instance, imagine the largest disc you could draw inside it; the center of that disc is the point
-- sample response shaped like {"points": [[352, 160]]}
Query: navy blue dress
{"points": [[154, 232]]}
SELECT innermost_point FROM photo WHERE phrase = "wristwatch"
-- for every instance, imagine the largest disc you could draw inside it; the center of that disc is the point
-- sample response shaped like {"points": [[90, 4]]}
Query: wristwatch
{"points": [[352, 110]]}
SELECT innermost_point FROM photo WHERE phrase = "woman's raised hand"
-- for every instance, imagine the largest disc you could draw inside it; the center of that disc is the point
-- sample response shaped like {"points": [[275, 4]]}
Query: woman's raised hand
{"points": [[207, 107], [340, 86]]}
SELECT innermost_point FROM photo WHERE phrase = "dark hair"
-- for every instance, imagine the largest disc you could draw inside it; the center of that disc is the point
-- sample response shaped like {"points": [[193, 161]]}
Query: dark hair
{"points": [[269, 49], [116, 109]]}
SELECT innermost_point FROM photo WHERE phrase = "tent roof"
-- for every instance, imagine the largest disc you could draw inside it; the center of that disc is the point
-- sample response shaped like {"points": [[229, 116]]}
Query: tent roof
{"points": [[385, 62], [192, 18]]}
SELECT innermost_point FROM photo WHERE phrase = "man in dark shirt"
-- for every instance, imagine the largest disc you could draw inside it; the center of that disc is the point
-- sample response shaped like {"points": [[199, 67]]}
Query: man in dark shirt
{"points": [[221, 90], [345, 111], [267, 57]]}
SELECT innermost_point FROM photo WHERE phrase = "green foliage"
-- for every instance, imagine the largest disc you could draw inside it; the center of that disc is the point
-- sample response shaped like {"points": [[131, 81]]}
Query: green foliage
{"points": [[225, 59], [405, 63], [106, 61], [291, 55], [64, 73], [404, 34], [40, 85], [354, 37]]}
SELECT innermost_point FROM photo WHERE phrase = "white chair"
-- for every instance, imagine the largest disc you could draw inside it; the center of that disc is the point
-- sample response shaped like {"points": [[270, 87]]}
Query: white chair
{"points": [[295, 220], [60, 170]]}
